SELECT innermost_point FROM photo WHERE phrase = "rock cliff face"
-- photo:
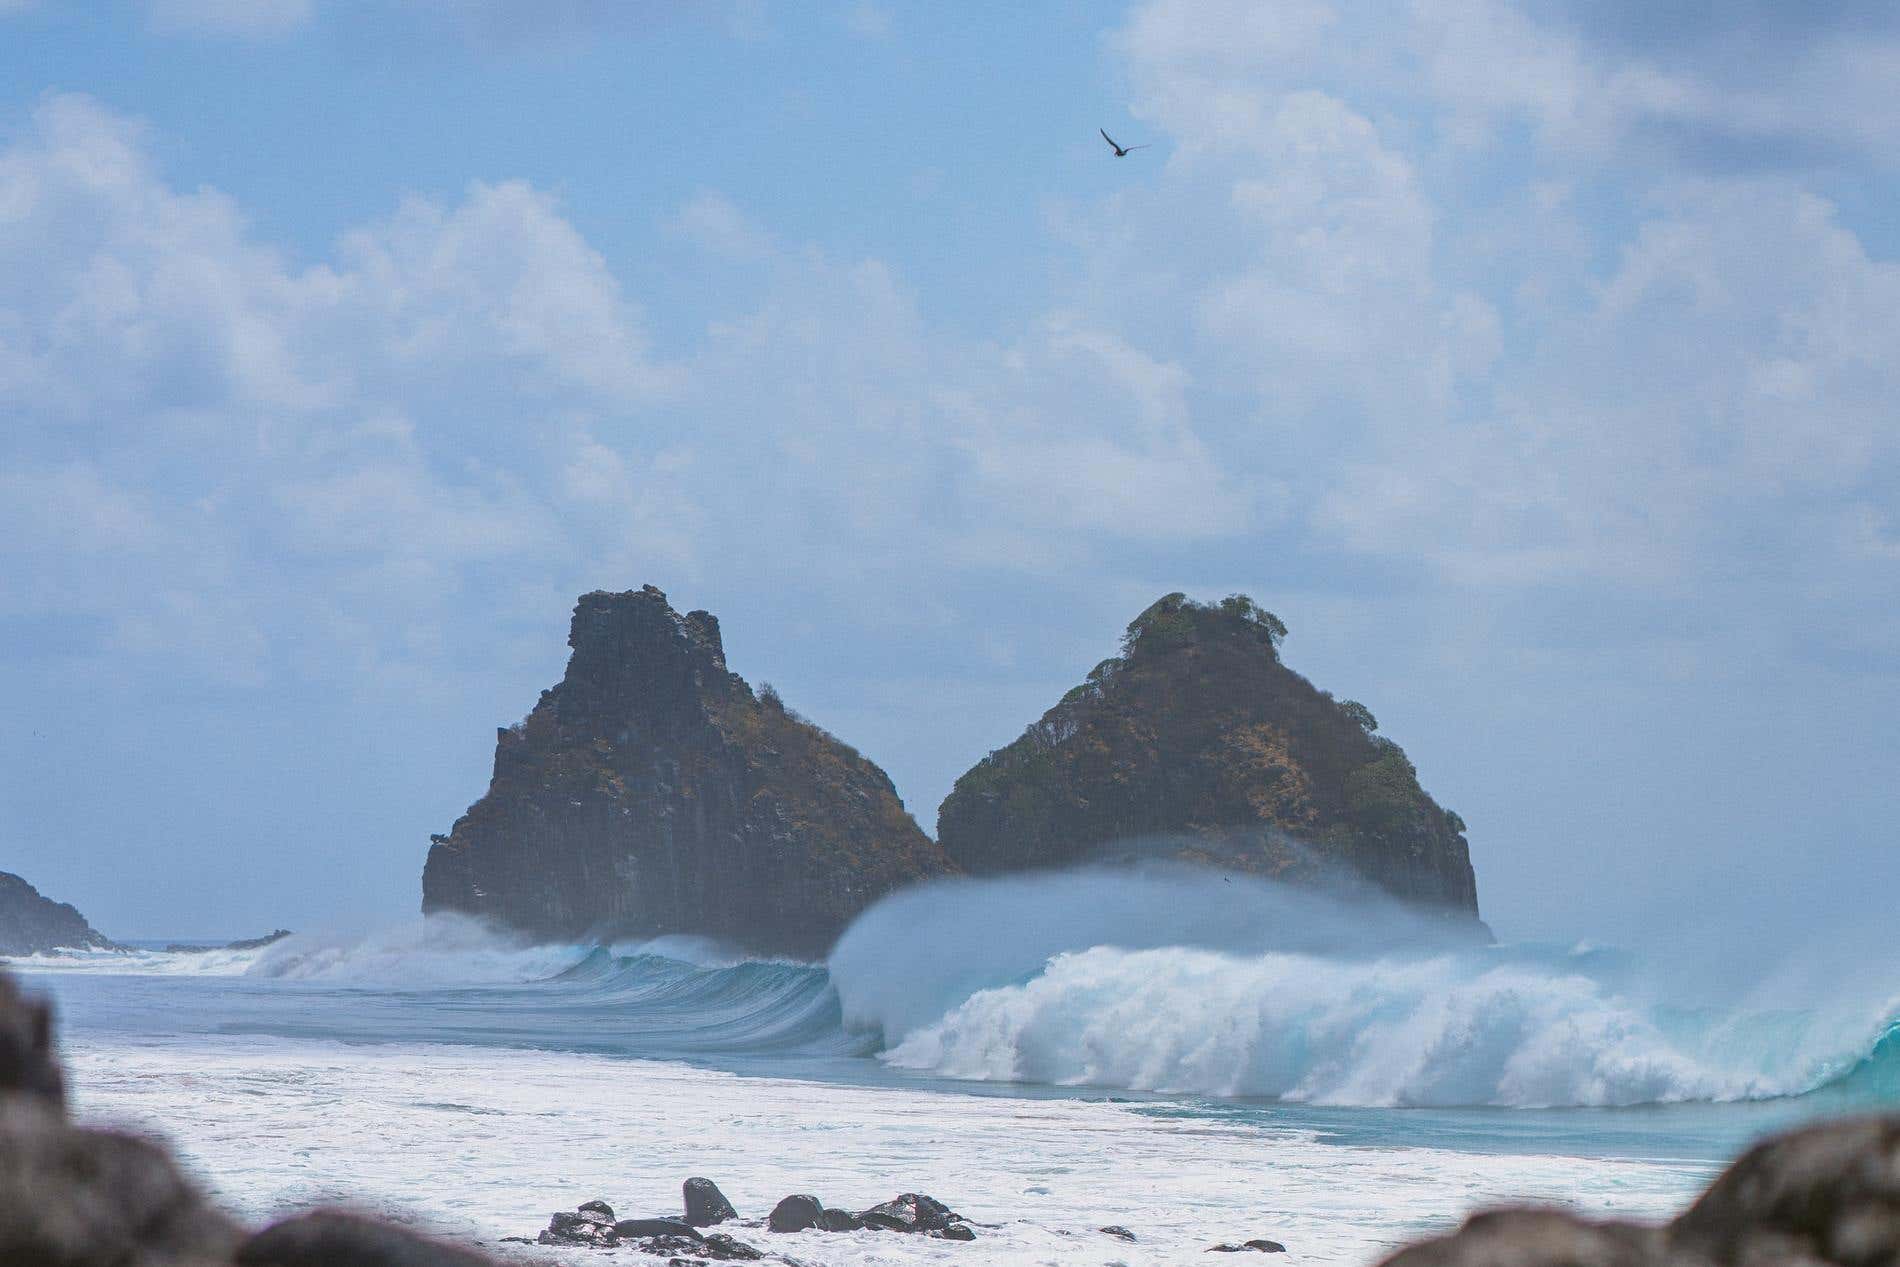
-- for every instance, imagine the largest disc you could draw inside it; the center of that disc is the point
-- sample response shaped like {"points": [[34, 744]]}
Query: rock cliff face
{"points": [[31, 924], [653, 791], [1198, 732]]}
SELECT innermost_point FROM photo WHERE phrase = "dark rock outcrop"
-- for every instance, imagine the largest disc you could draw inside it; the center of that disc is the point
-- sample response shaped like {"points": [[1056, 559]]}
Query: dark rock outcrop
{"points": [[652, 791], [796, 1213], [580, 1227], [32, 925], [909, 1212], [242, 943], [628, 1229], [1259, 1245], [706, 1205], [1199, 734]]}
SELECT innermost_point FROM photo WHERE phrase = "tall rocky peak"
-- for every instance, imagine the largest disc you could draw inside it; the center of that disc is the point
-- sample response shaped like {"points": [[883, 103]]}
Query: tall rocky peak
{"points": [[651, 791], [31, 924], [1199, 734]]}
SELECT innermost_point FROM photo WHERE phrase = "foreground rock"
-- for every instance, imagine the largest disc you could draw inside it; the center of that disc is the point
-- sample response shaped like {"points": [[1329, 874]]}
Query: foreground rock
{"points": [[1826, 1194], [34, 925], [329, 1238], [652, 791], [1823, 1196], [28, 1067], [1539, 1238], [706, 1205], [1199, 734], [74, 1197]]}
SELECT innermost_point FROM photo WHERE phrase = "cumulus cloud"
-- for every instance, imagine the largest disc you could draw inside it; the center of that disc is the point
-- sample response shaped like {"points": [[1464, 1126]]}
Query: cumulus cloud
{"points": [[1518, 410], [361, 419], [463, 390]]}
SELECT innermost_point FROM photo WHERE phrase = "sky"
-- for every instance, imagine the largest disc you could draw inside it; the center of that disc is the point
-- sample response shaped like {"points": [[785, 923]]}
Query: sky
{"points": [[1535, 362]]}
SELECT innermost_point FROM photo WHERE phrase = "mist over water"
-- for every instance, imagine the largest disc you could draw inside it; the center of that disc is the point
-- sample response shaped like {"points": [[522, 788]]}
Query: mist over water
{"points": [[1188, 981], [1151, 978]]}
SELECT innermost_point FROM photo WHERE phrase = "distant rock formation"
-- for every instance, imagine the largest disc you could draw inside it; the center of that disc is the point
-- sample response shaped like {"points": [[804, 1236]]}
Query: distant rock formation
{"points": [[1198, 733], [242, 943], [653, 791], [33, 925]]}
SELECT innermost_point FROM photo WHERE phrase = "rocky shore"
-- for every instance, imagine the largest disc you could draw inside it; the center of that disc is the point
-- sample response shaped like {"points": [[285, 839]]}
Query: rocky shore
{"points": [[76, 1196]]}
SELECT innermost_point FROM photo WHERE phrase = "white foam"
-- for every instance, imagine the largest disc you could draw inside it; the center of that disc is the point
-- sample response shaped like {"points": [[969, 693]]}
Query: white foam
{"points": [[488, 1142], [1193, 982], [441, 950], [137, 962], [1445, 1029]]}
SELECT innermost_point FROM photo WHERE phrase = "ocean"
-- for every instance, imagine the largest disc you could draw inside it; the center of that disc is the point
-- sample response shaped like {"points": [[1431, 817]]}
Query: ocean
{"points": [[1194, 1058]]}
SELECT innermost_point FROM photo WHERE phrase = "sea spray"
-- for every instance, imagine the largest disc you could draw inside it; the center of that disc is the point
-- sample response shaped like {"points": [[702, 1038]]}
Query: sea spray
{"points": [[1156, 979], [1172, 980]]}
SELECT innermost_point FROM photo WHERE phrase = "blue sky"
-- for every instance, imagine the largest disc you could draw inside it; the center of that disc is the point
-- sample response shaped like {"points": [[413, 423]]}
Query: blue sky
{"points": [[1535, 362]]}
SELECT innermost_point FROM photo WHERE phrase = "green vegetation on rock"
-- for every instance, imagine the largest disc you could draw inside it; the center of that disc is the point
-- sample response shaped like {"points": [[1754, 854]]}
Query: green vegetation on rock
{"points": [[1199, 734]]}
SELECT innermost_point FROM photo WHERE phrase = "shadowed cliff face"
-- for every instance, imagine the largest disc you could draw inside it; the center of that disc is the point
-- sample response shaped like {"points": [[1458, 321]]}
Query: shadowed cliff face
{"points": [[652, 792], [1198, 733], [32, 924]]}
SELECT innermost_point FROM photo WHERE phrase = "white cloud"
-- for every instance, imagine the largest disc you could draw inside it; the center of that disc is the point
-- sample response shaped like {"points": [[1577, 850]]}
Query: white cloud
{"points": [[1477, 389], [710, 221], [219, 433], [246, 19], [463, 391]]}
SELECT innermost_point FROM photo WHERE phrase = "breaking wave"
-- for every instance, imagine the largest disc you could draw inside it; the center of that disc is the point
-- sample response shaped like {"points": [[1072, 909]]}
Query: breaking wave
{"points": [[1163, 980], [1194, 983]]}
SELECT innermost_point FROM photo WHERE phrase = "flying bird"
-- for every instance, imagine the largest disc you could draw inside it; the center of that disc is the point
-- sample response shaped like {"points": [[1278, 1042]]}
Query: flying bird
{"points": [[1121, 151]]}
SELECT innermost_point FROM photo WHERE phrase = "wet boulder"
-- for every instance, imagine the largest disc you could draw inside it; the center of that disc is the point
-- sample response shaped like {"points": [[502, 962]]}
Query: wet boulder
{"points": [[631, 1228], [839, 1221], [326, 1238], [706, 1205], [1117, 1231], [718, 1247], [605, 1211], [580, 1227], [910, 1212], [728, 1249], [796, 1213], [953, 1231], [1259, 1245]]}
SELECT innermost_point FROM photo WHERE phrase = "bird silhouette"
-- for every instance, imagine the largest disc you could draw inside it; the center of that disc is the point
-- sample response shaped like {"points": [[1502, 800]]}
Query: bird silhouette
{"points": [[1121, 151]]}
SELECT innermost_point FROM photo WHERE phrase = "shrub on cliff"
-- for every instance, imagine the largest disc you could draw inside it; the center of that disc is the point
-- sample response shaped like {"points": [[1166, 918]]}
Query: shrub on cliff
{"points": [[1197, 729]]}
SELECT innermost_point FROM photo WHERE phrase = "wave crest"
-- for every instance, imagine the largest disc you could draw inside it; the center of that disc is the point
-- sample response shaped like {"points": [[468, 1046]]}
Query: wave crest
{"points": [[1195, 998]]}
